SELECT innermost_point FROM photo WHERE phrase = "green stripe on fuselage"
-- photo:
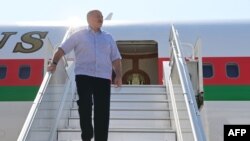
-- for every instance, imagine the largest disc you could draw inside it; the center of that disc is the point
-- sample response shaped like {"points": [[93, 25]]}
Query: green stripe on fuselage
{"points": [[18, 93], [227, 93], [212, 93]]}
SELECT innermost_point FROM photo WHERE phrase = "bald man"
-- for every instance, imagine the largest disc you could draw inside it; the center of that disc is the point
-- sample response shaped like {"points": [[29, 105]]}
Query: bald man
{"points": [[96, 54]]}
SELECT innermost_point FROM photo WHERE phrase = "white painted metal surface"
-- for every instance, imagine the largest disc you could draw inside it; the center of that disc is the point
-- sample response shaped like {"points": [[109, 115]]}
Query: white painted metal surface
{"points": [[137, 113]]}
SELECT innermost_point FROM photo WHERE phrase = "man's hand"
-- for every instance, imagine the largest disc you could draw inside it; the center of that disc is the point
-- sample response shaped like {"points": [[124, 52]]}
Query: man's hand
{"points": [[55, 59], [118, 81], [51, 68]]}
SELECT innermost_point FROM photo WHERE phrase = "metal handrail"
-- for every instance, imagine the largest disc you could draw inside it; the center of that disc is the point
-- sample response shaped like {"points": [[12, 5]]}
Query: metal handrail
{"points": [[187, 88], [24, 132], [197, 49], [66, 91], [33, 111], [68, 85], [169, 86]]}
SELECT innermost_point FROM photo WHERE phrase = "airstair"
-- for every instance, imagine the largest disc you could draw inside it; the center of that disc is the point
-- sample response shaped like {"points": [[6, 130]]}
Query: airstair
{"points": [[167, 112], [137, 113]]}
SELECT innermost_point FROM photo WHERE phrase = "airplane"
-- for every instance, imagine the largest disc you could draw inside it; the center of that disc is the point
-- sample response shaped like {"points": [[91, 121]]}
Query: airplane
{"points": [[26, 49]]}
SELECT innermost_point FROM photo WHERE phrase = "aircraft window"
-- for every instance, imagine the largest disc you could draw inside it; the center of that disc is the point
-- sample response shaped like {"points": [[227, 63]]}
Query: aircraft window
{"points": [[232, 70], [3, 71], [207, 70], [24, 72]]}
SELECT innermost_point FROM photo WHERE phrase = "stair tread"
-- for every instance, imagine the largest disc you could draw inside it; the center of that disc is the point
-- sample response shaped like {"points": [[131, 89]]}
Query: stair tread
{"points": [[129, 118], [151, 130]]}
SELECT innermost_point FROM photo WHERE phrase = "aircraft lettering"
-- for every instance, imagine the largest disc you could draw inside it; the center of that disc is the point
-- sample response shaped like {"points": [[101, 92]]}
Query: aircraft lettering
{"points": [[6, 36], [36, 43]]}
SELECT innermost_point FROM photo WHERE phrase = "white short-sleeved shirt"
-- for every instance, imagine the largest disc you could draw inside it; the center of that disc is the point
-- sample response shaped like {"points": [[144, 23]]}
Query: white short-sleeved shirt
{"points": [[94, 52]]}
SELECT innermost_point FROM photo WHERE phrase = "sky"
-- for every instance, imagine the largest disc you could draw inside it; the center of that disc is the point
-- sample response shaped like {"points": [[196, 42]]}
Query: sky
{"points": [[13, 11]]}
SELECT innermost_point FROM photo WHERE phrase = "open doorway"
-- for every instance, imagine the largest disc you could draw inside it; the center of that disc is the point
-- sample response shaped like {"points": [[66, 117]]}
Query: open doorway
{"points": [[139, 61]]}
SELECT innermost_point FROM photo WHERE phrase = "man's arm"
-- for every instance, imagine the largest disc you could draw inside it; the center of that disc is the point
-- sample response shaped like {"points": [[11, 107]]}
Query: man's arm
{"points": [[117, 65], [55, 59]]}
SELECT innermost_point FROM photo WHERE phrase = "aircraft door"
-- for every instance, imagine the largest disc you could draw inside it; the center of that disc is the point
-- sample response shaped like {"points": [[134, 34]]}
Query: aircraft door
{"points": [[139, 62]]}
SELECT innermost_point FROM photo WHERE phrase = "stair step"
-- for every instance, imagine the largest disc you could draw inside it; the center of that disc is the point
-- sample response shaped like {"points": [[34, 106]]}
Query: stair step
{"points": [[138, 89], [133, 130], [135, 103], [136, 113], [124, 134], [129, 123], [153, 97], [131, 114]]}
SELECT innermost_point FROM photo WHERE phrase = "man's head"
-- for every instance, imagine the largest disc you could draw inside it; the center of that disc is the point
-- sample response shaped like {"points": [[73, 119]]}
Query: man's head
{"points": [[95, 19]]}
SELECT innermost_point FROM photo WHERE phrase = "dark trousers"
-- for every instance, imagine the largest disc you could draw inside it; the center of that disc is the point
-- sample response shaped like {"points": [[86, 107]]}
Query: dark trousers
{"points": [[93, 91]]}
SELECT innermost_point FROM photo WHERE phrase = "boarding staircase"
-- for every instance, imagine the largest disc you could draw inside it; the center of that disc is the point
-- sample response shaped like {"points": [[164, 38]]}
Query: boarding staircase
{"points": [[137, 113], [165, 112]]}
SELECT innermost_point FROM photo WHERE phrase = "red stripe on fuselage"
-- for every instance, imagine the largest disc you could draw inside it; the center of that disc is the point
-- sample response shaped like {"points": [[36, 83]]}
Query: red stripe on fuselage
{"points": [[219, 69], [12, 76]]}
